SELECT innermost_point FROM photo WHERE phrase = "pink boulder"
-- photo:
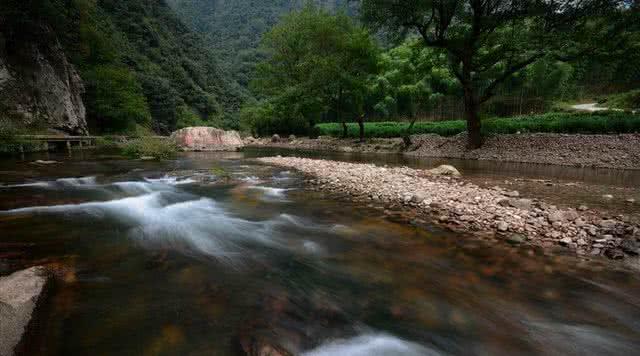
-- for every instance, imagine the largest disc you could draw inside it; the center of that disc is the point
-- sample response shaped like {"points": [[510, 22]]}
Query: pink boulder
{"points": [[207, 139]]}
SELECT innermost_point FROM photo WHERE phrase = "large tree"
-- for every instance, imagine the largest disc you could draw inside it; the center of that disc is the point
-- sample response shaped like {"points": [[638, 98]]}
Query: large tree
{"points": [[317, 63], [488, 41]]}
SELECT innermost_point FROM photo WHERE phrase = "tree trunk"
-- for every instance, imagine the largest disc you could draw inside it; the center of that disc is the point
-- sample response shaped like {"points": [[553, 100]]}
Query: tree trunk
{"points": [[361, 125], [344, 129], [407, 134], [472, 115]]}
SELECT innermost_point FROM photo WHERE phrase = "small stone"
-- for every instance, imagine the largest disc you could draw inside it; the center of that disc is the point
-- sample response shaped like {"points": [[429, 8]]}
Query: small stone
{"points": [[566, 241], [607, 196], [556, 234], [503, 226], [512, 194], [630, 201], [516, 238], [556, 216], [522, 204], [583, 208]]}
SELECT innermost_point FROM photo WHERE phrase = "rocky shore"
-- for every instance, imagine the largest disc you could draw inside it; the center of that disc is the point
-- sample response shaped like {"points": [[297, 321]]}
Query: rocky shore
{"points": [[462, 206], [601, 151]]}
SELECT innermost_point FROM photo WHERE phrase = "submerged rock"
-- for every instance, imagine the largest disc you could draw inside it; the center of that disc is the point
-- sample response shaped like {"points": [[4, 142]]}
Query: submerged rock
{"points": [[19, 295], [207, 139]]}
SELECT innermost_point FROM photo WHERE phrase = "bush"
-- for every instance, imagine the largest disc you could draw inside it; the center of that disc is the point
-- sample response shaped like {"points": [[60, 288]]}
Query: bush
{"points": [[629, 100], [586, 123], [10, 141], [159, 148]]}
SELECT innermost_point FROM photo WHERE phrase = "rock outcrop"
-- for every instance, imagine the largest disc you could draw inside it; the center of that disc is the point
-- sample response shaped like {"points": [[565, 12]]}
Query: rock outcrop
{"points": [[38, 85], [19, 294], [207, 139]]}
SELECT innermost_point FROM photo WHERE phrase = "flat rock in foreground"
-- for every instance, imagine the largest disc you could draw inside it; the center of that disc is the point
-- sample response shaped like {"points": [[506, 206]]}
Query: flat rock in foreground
{"points": [[204, 138], [19, 294]]}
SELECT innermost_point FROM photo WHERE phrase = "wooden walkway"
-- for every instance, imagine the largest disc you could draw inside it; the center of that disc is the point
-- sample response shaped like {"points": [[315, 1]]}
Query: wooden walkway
{"points": [[55, 140]]}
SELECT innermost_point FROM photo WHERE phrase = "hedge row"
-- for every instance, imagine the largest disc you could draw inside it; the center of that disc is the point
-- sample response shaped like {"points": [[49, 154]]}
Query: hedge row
{"points": [[571, 123]]}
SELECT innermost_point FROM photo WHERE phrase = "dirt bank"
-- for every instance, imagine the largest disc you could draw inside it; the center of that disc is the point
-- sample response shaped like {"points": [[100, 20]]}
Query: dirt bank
{"points": [[602, 151], [465, 206]]}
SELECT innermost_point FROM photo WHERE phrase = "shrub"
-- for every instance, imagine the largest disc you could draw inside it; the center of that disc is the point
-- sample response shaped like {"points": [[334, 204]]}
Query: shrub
{"points": [[629, 100], [586, 123], [159, 148]]}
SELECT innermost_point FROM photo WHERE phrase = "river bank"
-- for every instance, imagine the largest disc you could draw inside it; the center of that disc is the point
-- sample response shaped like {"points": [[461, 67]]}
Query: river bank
{"points": [[464, 206], [598, 151]]}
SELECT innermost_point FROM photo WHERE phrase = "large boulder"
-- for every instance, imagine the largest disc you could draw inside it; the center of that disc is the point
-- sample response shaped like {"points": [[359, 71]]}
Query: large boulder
{"points": [[207, 139], [19, 294]]}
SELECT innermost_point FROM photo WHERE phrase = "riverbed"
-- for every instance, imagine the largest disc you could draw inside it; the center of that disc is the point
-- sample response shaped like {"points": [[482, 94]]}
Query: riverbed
{"points": [[214, 253]]}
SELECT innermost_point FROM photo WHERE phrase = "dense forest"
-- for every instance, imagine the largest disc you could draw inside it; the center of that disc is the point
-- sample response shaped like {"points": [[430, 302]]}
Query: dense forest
{"points": [[142, 68], [233, 29], [158, 65]]}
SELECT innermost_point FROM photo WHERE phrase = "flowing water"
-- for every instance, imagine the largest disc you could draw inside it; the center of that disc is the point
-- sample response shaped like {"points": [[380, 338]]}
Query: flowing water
{"points": [[214, 254]]}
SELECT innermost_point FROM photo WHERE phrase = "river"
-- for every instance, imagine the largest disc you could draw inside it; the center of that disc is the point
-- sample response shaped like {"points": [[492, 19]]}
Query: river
{"points": [[214, 254]]}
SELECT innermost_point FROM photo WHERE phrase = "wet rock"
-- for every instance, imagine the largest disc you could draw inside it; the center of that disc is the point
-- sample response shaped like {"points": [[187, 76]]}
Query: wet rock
{"points": [[516, 238], [444, 170], [566, 241], [19, 295], [607, 196], [614, 254], [630, 201], [147, 158], [44, 163], [630, 246], [608, 224]]}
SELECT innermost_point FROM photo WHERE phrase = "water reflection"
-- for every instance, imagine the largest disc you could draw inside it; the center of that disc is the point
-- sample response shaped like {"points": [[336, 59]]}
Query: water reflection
{"points": [[256, 263]]}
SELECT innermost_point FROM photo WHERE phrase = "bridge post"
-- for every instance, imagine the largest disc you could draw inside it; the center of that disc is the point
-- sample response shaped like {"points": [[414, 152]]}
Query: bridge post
{"points": [[69, 146]]}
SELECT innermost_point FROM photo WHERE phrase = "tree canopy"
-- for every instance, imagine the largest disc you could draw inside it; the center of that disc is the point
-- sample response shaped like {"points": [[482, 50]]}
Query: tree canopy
{"points": [[488, 41], [317, 64]]}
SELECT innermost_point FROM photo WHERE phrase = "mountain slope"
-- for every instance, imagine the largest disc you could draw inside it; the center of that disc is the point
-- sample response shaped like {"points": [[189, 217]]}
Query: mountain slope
{"points": [[233, 28], [140, 65]]}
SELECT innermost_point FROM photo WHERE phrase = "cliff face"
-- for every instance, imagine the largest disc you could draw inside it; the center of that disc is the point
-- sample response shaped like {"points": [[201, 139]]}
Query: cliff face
{"points": [[39, 87]]}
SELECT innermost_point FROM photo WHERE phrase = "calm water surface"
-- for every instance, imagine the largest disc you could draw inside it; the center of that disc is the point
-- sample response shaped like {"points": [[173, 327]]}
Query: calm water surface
{"points": [[177, 258]]}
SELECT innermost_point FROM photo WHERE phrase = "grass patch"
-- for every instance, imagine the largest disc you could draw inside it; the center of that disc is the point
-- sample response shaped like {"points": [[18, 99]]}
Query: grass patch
{"points": [[570, 123], [158, 148]]}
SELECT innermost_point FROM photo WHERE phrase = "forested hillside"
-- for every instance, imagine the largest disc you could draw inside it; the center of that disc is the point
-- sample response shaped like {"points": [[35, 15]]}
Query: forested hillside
{"points": [[233, 29], [141, 67]]}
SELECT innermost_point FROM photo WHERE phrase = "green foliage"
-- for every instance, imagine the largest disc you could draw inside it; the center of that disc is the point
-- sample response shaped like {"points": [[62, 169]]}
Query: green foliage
{"points": [[585, 123], [149, 146], [412, 80], [188, 117], [488, 42], [317, 63], [629, 100], [233, 29], [115, 99], [134, 48]]}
